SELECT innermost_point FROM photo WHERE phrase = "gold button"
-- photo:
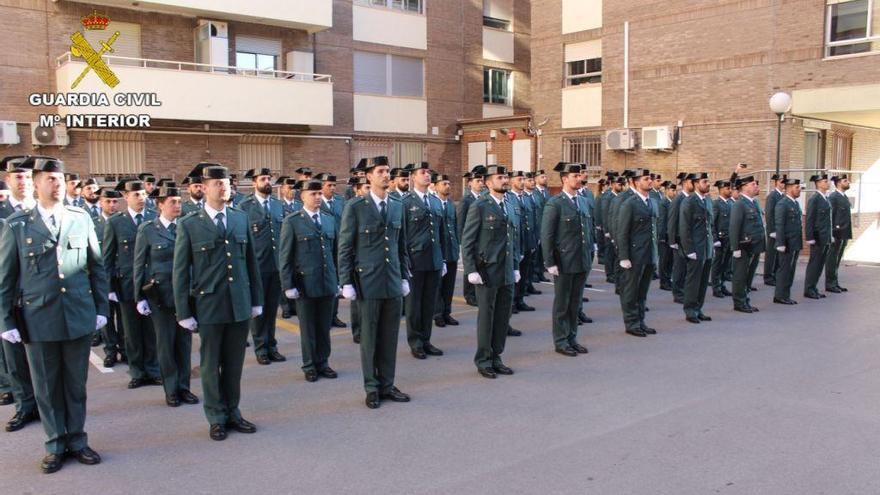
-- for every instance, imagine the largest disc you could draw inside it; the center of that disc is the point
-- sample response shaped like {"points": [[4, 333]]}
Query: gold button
{"points": [[203, 249], [202, 293], [386, 238], [386, 249], [63, 290]]}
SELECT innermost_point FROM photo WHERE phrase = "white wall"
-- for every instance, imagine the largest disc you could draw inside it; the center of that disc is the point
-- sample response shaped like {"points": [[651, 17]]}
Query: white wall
{"points": [[389, 27], [497, 45], [582, 106], [390, 114], [218, 97], [522, 154], [581, 15], [490, 111]]}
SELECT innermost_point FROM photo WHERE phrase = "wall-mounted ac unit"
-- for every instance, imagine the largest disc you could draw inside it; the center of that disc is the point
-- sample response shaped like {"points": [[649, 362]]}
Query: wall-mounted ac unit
{"points": [[620, 139], [9, 132], [55, 135], [657, 138], [212, 44]]}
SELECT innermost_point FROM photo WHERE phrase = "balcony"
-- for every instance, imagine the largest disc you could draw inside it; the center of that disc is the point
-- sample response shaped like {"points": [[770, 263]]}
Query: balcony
{"points": [[389, 27], [308, 15], [200, 92], [582, 106], [391, 114], [497, 45]]}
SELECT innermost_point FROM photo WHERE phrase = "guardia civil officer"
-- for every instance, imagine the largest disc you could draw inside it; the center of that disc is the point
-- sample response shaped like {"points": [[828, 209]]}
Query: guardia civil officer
{"points": [[113, 333], [747, 242], [771, 262], [634, 239], [53, 296], [721, 233], [217, 289], [451, 251], [679, 260], [789, 240], [374, 268], [818, 233], [473, 191], [841, 221]]}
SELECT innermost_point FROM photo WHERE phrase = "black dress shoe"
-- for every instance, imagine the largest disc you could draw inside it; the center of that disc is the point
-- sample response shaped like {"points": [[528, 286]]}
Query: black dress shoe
{"points": [[743, 310], [156, 382], [788, 302], [276, 357], [501, 369], [337, 323], [136, 383], [394, 395], [666, 287], [86, 456], [242, 426], [97, 340], [20, 420], [450, 321], [187, 397], [717, 293], [580, 349], [311, 376], [172, 401], [754, 309], [51, 463], [589, 286], [753, 289], [693, 319], [567, 351], [843, 289], [109, 361], [583, 318], [512, 332], [834, 290], [703, 317], [649, 331], [637, 333], [439, 322], [726, 292], [524, 307], [678, 300], [533, 291], [513, 310], [372, 400], [264, 360], [585, 299], [217, 432], [812, 296], [419, 354], [328, 372], [432, 351], [6, 399], [771, 283], [487, 373], [285, 313], [471, 302], [356, 339], [542, 278]]}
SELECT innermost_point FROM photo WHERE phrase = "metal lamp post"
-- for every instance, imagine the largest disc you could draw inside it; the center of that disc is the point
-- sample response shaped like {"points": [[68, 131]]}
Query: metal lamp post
{"points": [[780, 104]]}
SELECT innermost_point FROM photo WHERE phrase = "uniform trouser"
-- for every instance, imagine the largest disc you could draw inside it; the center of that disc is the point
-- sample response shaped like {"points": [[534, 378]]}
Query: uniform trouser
{"points": [[679, 273], [665, 254], [493, 321], [744, 269], [600, 243], [174, 347], [786, 263], [525, 271], [443, 308], [538, 264], [818, 258], [610, 260], [355, 311], [721, 264], [380, 325], [315, 316], [114, 336], [567, 290], [771, 261], [5, 384], [580, 293], [423, 288], [468, 291], [287, 304], [832, 264], [634, 285], [19, 375], [222, 359], [695, 285], [140, 342], [60, 370], [263, 326]]}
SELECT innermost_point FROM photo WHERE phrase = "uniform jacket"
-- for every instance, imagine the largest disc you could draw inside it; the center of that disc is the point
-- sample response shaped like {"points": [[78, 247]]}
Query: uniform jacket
{"points": [[841, 216], [567, 234], [770, 205], [154, 263], [634, 232], [747, 226], [818, 226], [119, 238], [789, 230], [695, 227], [306, 255], [265, 230], [425, 232], [489, 242], [721, 218], [451, 239]]}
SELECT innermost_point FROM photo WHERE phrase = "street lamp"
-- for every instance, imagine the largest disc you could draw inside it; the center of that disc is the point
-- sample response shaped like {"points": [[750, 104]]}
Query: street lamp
{"points": [[780, 103]]}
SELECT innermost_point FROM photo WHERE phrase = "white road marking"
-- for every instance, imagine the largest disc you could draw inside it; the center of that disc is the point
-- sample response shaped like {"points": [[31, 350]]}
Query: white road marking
{"points": [[98, 363]]}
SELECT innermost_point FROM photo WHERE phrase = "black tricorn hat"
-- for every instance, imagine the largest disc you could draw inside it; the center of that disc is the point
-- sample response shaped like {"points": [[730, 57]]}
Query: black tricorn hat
{"points": [[741, 181], [361, 165], [129, 184], [110, 193], [326, 177], [665, 183], [44, 164], [280, 180], [256, 172], [835, 179], [71, 176], [147, 178], [792, 182], [620, 179], [495, 170], [304, 171], [399, 172], [311, 185], [478, 172], [567, 168], [820, 177], [195, 175], [641, 172], [417, 166], [376, 161], [165, 191], [13, 163], [439, 178], [215, 172], [516, 173], [290, 181], [540, 171], [298, 185], [164, 180], [681, 176], [88, 182]]}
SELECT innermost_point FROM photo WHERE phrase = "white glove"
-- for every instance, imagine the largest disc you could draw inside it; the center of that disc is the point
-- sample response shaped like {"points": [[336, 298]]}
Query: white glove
{"points": [[692, 256], [595, 247], [833, 240], [11, 336], [626, 264], [291, 294], [553, 270], [256, 311], [717, 244], [404, 286], [444, 270], [781, 249], [143, 307], [811, 242], [475, 278], [190, 324], [516, 276], [100, 322], [673, 246], [738, 253], [112, 297], [773, 235], [348, 292], [607, 235]]}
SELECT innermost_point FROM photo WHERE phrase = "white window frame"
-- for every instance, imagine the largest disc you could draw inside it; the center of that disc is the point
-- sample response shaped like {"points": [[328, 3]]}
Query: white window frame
{"points": [[868, 38], [389, 80], [509, 86], [569, 77], [389, 4]]}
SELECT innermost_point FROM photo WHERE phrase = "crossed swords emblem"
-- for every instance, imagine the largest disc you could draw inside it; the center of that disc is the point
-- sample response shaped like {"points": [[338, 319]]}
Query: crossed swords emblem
{"points": [[82, 48]]}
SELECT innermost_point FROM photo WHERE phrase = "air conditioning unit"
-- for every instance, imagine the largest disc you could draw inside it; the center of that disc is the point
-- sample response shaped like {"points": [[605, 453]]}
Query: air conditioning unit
{"points": [[212, 44], [620, 139], [55, 135], [657, 138], [9, 132]]}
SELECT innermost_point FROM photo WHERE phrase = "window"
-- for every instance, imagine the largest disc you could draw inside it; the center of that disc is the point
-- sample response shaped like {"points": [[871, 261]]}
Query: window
{"points": [[259, 152], [415, 6], [841, 150], [389, 75], [814, 153], [497, 14], [116, 153], [497, 87], [585, 149], [406, 153], [849, 27], [583, 72], [257, 56], [127, 45]]}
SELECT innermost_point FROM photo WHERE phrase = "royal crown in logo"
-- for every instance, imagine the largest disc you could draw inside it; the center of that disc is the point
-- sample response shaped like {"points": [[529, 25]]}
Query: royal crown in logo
{"points": [[95, 21]]}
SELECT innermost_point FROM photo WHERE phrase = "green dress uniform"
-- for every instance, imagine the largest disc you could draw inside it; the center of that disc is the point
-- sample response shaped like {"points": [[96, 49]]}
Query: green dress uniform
{"points": [[464, 205], [490, 247], [190, 206], [540, 197], [664, 252], [695, 234], [528, 234], [679, 261], [425, 232], [307, 265], [451, 253], [288, 208], [153, 268], [5, 383], [118, 249], [603, 238], [818, 230], [216, 280], [789, 233], [747, 235], [771, 262], [264, 222], [566, 241], [373, 258], [112, 334], [634, 239], [611, 221], [335, 206], [721, 234], [52, 287], [841, 221]]}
